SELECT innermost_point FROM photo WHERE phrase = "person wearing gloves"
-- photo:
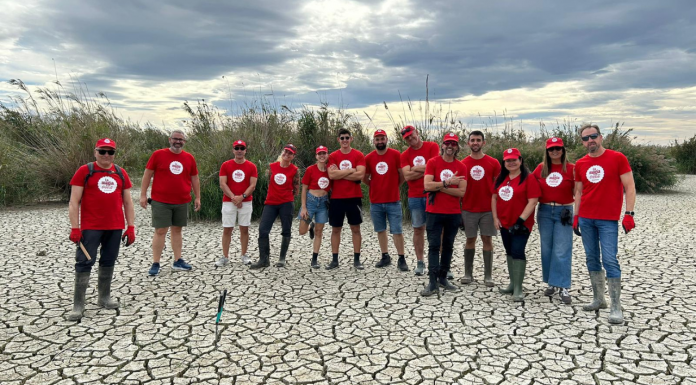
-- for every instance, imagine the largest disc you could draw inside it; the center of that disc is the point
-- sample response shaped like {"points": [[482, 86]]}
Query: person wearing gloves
{"points": [[601, 178], [99, 197], [315, 201], [516, 193]]}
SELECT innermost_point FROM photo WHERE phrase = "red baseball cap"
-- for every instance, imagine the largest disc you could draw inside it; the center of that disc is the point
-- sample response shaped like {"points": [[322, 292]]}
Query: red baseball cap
{"points": [[450, 137], [554, 142], [407, 131], [240, 143], [290, 148], [106, 142], [379, 132], [511, 153], [322, 149]]}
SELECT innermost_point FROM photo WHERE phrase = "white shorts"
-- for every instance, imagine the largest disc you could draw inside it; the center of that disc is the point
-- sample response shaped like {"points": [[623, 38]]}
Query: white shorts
{"points": [[230, 211]]}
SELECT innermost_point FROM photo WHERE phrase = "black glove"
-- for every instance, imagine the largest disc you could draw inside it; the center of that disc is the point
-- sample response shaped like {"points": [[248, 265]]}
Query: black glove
{"points": [[566, 218], [519, 228], [431, 197]]}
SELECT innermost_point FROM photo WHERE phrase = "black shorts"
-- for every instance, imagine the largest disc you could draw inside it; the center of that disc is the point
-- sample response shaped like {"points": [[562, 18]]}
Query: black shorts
{"points": [[346, 207]]}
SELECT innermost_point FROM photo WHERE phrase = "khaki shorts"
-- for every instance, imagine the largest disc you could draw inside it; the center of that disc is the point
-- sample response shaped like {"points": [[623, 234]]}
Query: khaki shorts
{"points": [[474, 221], [230, 213], [165, 214]]}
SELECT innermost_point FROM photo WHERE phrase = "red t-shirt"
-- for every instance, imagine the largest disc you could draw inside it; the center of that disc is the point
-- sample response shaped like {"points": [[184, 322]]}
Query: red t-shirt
{"points": [[602, 190], [479, 186], [238, 177], [280, 184], [101, 206], [316, 179], [513, 198], [419, 157], [343, 188], [557, 187], [384, 170], [172, 179], [440, 170]]}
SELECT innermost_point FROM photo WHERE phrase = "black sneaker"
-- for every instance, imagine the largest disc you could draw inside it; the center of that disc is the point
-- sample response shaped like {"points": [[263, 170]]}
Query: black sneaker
{"points": [[311, 230], [384, 262], [401, 265], [357, 264], [332, 265], [550, 291]]}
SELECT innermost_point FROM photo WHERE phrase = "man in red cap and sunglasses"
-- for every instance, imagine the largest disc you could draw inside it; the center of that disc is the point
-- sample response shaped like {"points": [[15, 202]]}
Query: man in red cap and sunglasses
{"points": [[99, 198]]}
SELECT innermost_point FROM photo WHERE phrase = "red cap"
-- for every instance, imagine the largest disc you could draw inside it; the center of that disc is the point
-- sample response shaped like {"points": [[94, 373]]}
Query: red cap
{"points": [[106, 142], [379, 132], [407, 131], [450, 137], [240, 143], [554, 142], [511, 153], [322, 149], [290, 148]]}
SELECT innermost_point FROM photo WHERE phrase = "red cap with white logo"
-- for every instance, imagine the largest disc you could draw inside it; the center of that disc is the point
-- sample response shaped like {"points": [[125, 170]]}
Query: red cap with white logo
{"points": [[554, 142], [511, 153], [407, 131], [322, 149], [106, 142], [450, 137], [379, 132], [240, 143]]}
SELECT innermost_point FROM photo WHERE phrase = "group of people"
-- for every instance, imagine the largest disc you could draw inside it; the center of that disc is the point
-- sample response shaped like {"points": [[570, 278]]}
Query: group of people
{"points": [[445, 195]]}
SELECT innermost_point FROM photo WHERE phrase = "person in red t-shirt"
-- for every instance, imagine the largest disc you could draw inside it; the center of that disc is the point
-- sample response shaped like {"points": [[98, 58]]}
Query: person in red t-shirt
{"points": [[476, 208], [384, 177], [601, 178], [175, 172], [413, 161], [445, 181], [98, 201], [555, 217], [283, 186], [315, 201], [237, 181], [514, 198], [346, 170]]}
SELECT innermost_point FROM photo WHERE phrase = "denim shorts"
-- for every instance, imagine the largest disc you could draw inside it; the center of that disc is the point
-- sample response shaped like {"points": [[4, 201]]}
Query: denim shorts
{"points": [[317, 208], [380, 212], [417, 208]]}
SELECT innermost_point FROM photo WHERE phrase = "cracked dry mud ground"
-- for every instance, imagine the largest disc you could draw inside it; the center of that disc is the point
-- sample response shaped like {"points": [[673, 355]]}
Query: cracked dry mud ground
{"points": [[297, 325]]}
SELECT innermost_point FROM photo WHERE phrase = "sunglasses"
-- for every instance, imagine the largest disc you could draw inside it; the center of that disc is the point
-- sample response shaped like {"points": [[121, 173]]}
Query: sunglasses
{"points": [[344, 138], [240, 148], [591, 136], [555, 149], [451, 143], [104, 152]]}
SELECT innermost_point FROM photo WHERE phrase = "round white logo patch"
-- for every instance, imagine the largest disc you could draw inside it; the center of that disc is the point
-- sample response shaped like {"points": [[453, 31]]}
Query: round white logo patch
{"points": [[107, 184], [419, 161], [280, 179], [477, 172], [323, 182], [506, 193], [176, 167], [382, 168], [554, 179], [238, 176], [345, 164], [446, 174], [595, 174]]}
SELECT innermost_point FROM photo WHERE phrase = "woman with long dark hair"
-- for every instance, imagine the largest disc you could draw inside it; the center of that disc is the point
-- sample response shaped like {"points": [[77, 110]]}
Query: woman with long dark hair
{"points": [[515, 196], [315, 201]]}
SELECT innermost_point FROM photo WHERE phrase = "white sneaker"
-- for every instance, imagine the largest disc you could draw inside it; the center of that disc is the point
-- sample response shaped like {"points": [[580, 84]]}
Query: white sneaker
{"points": [[222, 262], [246, 260]]}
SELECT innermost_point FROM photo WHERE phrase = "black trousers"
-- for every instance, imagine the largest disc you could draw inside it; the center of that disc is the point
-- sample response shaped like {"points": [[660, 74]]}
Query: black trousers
{"points": [[110, 241], [269, 215], [441, 229], [514, 245]]}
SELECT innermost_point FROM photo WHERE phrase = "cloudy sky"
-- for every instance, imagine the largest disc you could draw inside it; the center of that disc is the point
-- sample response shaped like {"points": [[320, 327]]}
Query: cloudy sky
{"points": [[534, 61]]}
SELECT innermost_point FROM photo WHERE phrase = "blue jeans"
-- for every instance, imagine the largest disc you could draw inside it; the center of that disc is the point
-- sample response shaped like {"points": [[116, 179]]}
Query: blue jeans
{"points": [[317, 208], [380, 212], [596, 234], [556, 245], [417, 208], [514, 245]]}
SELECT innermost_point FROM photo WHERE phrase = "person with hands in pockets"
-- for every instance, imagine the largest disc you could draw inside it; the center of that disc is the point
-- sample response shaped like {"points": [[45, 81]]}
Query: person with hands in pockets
{"points": [[315, 201]]}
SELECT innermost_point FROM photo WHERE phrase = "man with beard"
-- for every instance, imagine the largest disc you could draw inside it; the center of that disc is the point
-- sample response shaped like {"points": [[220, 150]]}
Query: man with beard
{"points": [[601, 178], [476, 207], [383, 176]]}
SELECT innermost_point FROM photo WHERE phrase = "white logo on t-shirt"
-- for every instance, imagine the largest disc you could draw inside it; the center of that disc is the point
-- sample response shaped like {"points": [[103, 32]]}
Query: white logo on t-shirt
{"points": [[595, 174], [382, 168], [506, 193], [345, 164], [238, 176], [554, 179], [107, 184], [419, 161], [446, 174], [280, 179], [323, 182], [176, 167], [478, 172]]}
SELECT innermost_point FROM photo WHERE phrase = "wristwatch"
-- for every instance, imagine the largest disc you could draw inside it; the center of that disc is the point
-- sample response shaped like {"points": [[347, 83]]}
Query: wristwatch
{"points": [[631, 213], [244, 196]]}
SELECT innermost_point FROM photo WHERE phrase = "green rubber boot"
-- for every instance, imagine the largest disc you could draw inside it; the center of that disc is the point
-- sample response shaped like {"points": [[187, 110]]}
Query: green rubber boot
{"points": [[469, 255], [615, 313], [509, 288], [598, 301], [518, 268], [81, 283], [104, 288]]}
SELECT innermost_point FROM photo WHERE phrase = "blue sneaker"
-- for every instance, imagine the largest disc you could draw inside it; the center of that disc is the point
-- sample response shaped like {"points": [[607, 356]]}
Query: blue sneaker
{"points": [[154, 269], [180, 264]]}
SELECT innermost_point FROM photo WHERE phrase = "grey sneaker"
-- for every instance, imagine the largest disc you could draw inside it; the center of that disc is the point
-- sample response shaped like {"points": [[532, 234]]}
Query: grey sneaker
{"points": [[246, 260], [420, 268], [450, 275], [222, 262], [550, 291], [565, 296]]}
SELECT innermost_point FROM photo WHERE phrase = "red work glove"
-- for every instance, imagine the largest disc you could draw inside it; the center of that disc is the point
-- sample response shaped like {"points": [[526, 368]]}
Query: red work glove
{"points": [[75, 235], [576, 226], [129, 235], [628, 224]]}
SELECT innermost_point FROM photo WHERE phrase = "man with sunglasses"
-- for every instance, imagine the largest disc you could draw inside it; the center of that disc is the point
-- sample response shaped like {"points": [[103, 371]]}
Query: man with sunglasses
{"points": [[99, 198], [237, 181], [175, 173], [346, 170], [601, 178]]}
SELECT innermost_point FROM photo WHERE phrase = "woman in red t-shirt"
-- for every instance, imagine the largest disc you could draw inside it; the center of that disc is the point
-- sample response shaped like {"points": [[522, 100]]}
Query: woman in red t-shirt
{"points": [[515, 195], [283, 184], [315, 201]]}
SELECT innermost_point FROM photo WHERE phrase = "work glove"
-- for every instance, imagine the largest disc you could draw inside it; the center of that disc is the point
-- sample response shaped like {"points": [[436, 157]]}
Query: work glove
{"points": [[75, 235], [628, 224], [519, 228], [576, 226], [565, 217], [129, 235]]}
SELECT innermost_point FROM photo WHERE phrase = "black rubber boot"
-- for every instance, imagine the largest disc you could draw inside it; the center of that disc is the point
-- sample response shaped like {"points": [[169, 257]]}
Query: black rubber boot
{"points": [[510, 288], [264, 254], [445, 284], [432, 288], [384, 262], [488, 268], [469, 255], [104, 288], [285, 243], [81, 283]]}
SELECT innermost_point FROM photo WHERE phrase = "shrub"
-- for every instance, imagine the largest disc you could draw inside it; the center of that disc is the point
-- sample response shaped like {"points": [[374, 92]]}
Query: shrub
{"points": [[685, 155]]}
